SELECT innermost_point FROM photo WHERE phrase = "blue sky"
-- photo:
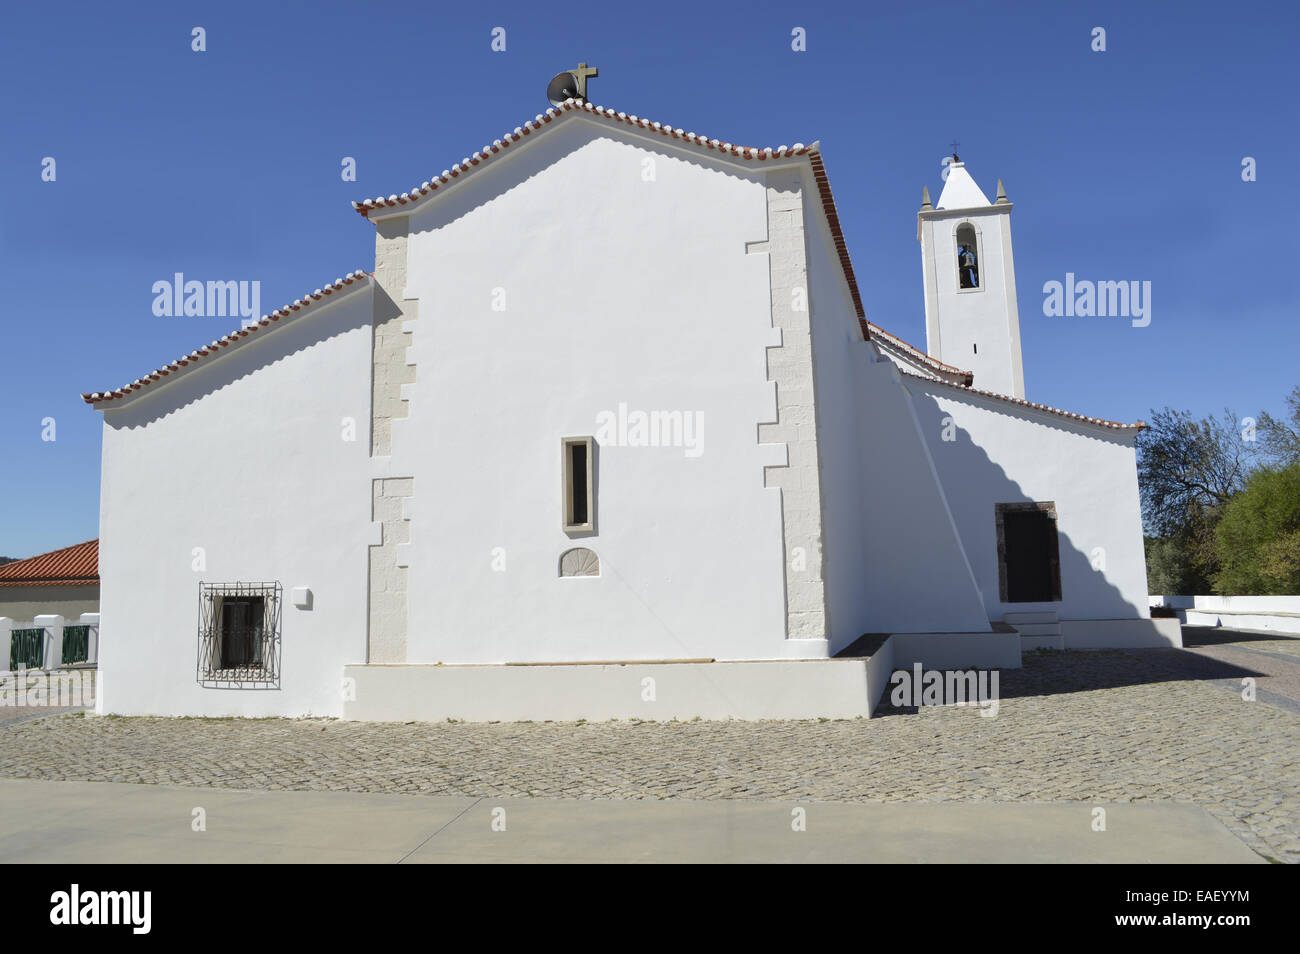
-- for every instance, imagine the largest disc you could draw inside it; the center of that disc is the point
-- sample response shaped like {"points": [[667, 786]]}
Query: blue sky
{"points": [[1123, 165]]}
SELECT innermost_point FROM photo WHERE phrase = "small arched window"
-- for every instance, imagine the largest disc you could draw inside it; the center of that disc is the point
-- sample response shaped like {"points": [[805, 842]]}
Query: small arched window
{"points": [[968, 263]]}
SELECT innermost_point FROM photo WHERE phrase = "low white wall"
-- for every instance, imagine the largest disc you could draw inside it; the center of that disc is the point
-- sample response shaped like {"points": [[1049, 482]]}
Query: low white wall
{"points": [[1279, 614], [833, 689], [1231, 604]]}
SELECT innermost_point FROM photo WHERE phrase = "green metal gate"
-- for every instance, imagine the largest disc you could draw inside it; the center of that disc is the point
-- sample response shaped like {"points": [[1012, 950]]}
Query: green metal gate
{"points": [[76, 644], [27, 648]]}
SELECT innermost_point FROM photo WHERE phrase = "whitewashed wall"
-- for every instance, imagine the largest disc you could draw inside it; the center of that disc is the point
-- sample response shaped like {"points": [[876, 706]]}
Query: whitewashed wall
{"points": [[977, 330], [894, 563], [243, 457], [1002, 454], [617, 290]]}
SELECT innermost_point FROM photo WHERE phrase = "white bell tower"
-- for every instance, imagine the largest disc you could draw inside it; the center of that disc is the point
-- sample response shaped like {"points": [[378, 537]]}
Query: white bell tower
{"points": [[971, 318]]}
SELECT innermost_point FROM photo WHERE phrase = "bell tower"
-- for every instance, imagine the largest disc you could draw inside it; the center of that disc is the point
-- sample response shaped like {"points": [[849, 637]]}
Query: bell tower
{"points": [[971, 318]]}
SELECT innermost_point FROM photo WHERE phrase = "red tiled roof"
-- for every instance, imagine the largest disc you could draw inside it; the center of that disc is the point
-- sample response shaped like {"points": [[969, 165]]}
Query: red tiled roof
{"points": [[1099, 421], [77, 565], [234, 338], [881, 336]]}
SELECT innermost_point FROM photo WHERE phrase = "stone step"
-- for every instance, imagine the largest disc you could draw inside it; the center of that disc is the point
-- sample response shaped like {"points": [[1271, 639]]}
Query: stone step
{"points": [[1039, 629], [1039, 616]]}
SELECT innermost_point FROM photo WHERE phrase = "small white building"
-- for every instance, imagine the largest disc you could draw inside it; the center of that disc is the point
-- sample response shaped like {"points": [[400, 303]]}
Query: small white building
{"points": [[609, 395]]}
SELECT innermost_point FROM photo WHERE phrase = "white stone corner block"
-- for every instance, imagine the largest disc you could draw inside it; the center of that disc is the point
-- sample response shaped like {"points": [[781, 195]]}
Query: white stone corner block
{"points": [[301, 597], [92, 644], [53, 626], [774, 455]]}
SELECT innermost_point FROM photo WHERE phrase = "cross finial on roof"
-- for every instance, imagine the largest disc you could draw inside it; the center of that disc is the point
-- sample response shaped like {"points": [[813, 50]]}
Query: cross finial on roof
{"points": [[582, 73], [954, 145]]}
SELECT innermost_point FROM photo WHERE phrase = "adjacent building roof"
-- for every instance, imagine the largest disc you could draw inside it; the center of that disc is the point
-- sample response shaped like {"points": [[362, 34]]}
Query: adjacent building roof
{"points": [[72, 566], [918, 358], [232, 340]]}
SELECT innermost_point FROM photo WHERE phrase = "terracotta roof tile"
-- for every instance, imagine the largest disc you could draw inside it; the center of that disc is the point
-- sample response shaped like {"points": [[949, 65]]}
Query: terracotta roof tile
{"points": [[1099, 421], [70, 566], [881, 336]]}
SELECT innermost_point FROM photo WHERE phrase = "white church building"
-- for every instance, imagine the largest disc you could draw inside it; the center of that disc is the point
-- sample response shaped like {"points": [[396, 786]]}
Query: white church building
{"points": [[606, 433]]}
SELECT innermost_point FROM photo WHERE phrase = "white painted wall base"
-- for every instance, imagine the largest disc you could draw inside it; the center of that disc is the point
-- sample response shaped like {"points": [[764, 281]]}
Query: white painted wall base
{"points": [[663, 691], [956, 650], [830, 688], [1121, 633]]}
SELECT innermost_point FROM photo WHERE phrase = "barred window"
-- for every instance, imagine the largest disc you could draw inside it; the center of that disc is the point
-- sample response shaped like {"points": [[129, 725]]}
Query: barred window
{"points": [[239, 635]]}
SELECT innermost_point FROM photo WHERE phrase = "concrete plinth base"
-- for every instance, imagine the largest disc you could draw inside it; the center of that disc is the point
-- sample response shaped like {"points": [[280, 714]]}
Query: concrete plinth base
{"points": [[779, 689], [842, 688]]}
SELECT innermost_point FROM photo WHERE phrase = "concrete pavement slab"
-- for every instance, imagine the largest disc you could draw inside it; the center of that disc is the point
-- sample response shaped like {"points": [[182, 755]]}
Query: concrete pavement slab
{"points": [[93, 822]]}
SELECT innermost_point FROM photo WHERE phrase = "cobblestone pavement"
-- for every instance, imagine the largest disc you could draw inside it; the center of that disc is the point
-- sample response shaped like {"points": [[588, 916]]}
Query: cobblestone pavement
{"points": [[1275, 658], [1114, 726]]}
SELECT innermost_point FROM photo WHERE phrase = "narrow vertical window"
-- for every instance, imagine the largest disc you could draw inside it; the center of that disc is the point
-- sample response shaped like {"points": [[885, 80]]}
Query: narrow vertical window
{"points": [[968, 263], [579, 485]]}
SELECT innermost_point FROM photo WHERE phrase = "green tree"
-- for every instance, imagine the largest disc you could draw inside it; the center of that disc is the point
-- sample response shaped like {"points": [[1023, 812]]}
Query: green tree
{"points": [[1187, 469], [1279, 439], [1258, 535], [1183, 563]]}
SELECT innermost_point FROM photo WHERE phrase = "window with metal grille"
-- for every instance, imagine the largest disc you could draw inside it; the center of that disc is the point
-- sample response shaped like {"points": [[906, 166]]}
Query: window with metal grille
{"points": [[239, 635]]}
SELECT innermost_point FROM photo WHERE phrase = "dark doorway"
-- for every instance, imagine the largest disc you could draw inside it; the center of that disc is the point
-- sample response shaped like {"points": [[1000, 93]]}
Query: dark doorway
{"points": [[1029, 566]]}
